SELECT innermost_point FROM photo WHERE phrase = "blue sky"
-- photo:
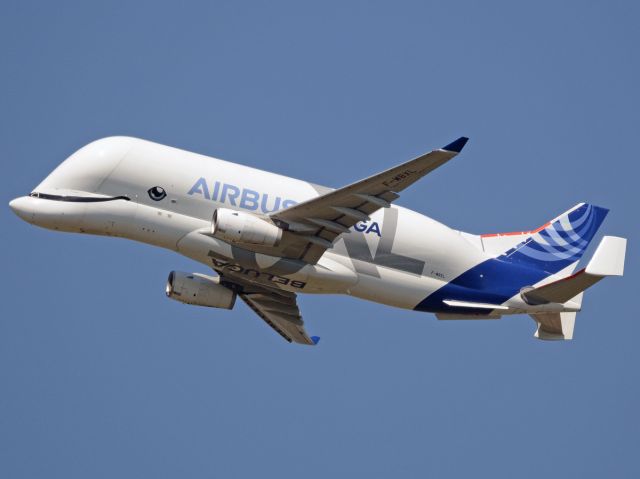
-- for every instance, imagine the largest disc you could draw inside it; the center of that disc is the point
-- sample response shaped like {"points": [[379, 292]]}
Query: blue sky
{"points": [[102, 376]]}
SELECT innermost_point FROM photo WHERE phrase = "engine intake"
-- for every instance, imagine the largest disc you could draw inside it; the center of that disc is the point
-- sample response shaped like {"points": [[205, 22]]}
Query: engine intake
{"points": [[199, 289], [238, 227]]}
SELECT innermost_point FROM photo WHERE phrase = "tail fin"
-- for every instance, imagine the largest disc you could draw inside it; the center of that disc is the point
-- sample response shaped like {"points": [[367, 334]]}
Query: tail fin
{"points": [[555, 245]]}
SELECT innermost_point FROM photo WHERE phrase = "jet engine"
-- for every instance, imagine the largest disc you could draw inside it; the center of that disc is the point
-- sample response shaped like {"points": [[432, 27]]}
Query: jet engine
{"points": [[238, 227], [199, 289]]}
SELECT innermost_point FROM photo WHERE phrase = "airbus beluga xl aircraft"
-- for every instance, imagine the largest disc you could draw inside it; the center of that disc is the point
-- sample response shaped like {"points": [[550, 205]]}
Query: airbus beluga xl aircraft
{"points": [[269, 237]]}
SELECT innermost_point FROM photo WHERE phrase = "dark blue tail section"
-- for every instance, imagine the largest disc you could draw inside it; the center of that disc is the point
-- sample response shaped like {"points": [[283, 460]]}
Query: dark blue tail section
{"points": [[561, 242], [544, 252]]}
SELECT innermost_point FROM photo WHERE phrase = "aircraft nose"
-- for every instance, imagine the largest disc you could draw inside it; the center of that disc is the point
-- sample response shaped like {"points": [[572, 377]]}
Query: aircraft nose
{"points": [[22, 208]]}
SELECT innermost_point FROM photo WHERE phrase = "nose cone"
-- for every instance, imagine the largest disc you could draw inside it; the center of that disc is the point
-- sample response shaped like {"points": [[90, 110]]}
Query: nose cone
{"points": [[49, 213], [23, 208]]}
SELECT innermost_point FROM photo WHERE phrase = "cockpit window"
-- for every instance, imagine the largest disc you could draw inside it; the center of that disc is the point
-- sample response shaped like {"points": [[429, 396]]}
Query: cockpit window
{"points": [[157, 193]]}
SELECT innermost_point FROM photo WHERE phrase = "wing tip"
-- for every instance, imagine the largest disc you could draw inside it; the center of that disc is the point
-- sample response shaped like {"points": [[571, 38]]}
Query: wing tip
{"points": [[457, 145], [315, 339]]}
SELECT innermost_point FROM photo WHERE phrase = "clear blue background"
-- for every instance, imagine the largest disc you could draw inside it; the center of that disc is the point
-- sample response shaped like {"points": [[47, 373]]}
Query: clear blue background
{"points": [[102, 376]]}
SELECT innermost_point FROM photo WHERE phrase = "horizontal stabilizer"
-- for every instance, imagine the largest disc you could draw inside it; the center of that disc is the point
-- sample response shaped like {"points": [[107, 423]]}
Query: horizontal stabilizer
{"points": [[468, 304], [554, 326], [471, 310], [608, 260], [462, 316]]}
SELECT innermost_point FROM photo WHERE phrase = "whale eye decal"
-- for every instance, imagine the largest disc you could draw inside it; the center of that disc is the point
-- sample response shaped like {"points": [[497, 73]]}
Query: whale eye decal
{"points": [[157, 193]]}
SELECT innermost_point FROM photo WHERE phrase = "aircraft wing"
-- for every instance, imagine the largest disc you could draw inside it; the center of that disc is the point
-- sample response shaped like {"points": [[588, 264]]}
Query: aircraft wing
{"points": [[319, 221], [281, 312], [279, 309]]}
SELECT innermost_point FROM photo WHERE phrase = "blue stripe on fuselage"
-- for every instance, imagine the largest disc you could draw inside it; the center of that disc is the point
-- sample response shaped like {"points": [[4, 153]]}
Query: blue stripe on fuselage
{"points": [[492, 281], [543, 253]]}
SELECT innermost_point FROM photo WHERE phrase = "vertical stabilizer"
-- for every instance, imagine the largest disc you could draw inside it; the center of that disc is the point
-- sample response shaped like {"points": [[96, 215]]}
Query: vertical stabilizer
{"points": [[555, 245]]}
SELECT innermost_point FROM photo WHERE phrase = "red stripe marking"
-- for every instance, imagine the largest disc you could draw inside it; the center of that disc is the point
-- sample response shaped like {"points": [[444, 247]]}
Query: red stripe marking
{"points": [[561, 280], [514, 233]]}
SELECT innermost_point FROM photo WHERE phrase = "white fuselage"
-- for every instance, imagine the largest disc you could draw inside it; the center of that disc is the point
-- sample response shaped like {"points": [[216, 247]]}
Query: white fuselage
{"points": [[398, 258]]}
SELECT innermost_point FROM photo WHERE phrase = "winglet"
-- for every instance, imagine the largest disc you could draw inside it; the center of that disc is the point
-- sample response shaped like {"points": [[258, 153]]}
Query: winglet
{"points": [[315, 339], [456, 146]]}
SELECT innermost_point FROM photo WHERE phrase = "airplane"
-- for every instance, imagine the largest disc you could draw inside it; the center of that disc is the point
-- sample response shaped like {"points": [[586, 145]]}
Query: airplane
{"points": [[268, 237]]}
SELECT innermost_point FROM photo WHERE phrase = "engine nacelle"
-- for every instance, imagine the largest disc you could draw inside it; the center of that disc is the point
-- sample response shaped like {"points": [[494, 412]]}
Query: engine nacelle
{"points": [[199, 289], [238, 227]]}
